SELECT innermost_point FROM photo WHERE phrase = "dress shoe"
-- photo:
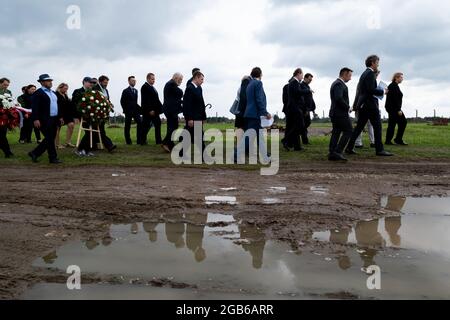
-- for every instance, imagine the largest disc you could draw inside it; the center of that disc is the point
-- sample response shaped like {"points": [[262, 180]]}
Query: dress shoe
{"points": [[166, 148], [384, 154], [286, 147], [336, 157], [299, 149], [389, 143], [9, 155], [351, 152], [359, 147], [373, 146], [55, 161], [401, 143], [33, 157], [114, 147]]}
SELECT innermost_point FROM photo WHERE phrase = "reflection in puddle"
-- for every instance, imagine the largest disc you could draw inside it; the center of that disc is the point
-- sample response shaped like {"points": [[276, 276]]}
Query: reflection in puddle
{"points": [[424, 206], [271, 201], [216, 253], [228, 189], [319, 190], [220, 200], [278, 189]]}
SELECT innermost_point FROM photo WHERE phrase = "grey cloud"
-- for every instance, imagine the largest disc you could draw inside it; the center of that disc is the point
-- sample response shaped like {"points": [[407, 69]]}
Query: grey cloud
{"points": [[412, 37], [110, 29]]}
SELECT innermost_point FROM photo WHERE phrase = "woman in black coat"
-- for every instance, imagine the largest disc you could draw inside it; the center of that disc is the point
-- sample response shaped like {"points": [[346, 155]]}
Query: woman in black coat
{"points": [[68, 111], [394, 103]]}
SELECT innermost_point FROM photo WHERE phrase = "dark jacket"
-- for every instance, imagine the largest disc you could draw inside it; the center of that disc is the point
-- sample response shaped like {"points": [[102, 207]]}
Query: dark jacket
{"points": [[97, 87], [296, 96], [368, 89], [394, 100], [340, 102], [256, 100], [310, 104], [194, 104], [129, 101], [77, 95], [173, 98], [66, 107], [286, 98], [150, 100], [40, 104], [243, 96]]}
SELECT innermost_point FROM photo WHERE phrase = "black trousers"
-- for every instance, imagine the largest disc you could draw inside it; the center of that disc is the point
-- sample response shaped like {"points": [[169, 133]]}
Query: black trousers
{"points": [[307, 123], [295, 127], [147, 123], [85, 143], [172, 126], [365, 114], [394, 120], [341, 134], [26, 130], [48, 129], [4, 145], [128, 119]]}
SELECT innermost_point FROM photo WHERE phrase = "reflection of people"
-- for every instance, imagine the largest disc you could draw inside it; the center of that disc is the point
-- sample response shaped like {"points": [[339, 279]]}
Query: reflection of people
{"points": [[91, 244], [175, 231], [395, 204], [50, 258], [344, 262], [194, 235], [368, 237], [150, 228], [392, 226], [339, 236], [257, 242]]}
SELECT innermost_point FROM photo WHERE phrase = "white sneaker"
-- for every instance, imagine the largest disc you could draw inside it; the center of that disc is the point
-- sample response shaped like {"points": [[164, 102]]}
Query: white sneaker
{"points": [[90, 154]]}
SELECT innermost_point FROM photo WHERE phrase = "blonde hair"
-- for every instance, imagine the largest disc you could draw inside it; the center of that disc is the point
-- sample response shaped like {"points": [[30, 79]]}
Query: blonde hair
{"points": [[396, 76], [62, 85]]}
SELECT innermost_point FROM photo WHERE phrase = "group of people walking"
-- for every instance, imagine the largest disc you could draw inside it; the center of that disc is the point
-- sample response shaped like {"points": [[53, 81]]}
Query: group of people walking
{"points": [[50, 110], [369, 93]]}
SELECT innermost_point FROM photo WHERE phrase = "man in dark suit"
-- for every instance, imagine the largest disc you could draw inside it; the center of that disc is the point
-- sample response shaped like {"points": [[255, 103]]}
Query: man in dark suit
{"points": [[194, 71], [296, 107], [172, 107], [151, 109], [285, 99], [132, 110], [102, 86], [256, 108], [340, 116], [309, 106], [47, 117], [368, 107], [194, 105]]}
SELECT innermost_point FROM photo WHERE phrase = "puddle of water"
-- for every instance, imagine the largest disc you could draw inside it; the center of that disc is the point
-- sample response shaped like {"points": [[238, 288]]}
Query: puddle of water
{"points": [[271, 201], [423, 206], [119, 175], [228, 189], [319, 190], [278, 189], [220, 200], [412, 252]]}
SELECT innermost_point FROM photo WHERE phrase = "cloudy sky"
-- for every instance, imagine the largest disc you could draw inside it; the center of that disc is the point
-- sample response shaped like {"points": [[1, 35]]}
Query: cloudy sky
{"points": [[226, 38]]}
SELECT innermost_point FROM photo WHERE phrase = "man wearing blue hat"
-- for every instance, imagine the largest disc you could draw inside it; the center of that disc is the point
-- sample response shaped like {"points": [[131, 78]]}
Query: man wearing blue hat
{"points": [[46, 117]]}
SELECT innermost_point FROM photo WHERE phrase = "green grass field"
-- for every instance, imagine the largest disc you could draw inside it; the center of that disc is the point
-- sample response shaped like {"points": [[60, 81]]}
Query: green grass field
{"points": [[426, 143]]}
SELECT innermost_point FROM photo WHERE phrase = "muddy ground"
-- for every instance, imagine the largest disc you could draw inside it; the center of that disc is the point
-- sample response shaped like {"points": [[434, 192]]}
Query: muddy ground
{"points": [[42, 208]]}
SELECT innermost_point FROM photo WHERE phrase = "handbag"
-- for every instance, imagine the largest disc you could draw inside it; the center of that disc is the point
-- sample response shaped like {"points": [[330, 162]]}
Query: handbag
{"points": [[235, 108]]}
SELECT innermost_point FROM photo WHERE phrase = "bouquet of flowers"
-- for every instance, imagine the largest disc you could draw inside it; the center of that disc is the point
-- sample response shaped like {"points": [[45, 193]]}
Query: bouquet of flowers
{"points": [[94, 107], [9, 116]]}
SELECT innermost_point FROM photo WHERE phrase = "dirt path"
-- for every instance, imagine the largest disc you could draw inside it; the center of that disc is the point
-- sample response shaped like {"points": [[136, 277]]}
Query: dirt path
{"points": [[42, 208]]}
